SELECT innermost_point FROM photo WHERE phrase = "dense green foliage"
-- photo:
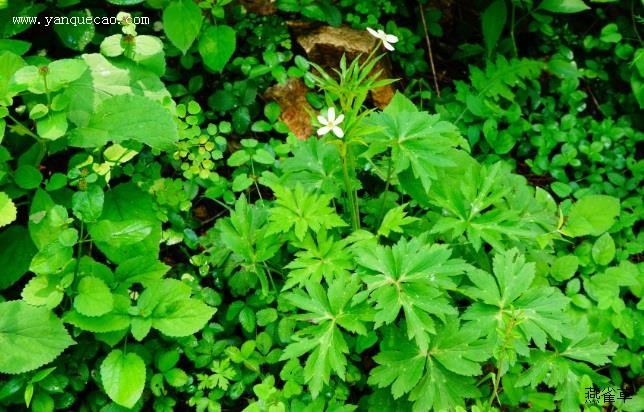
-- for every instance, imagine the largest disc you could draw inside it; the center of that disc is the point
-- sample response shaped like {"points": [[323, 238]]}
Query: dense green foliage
{"points": [[167, 243]]}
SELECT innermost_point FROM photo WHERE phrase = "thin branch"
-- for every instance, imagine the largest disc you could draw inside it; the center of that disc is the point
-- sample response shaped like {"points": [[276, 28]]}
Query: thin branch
{"points": [[429, 49]]}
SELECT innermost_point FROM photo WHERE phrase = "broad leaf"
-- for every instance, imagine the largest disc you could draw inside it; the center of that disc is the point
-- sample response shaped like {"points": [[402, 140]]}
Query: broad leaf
{"points": [[29, 337], [591, 215], [128, 117], [94, 298], [123, 377], [168, 305], [216, 46], [128, 226], [563, 6], [8, 210], [16, 252], [181, 22]]}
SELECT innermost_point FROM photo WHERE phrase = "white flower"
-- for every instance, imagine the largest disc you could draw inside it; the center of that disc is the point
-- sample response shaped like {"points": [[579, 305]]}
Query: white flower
{"points": [[330, 123], [387, 39]]}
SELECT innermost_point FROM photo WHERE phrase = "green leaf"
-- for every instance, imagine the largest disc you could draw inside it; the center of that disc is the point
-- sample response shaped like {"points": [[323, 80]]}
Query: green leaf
{"points": [[493, 20], [509, 296], [145, 270], [300, 211], [438, 378], [327, 311], [29, 337], [58, 74], [16, 252], [94, 298], [168, 304], [116, 320], [216, 46], [27, 177], [394, 220], [417, 140], [88, 205], [591, 215], [51, 259], [563, 6], [409, 276], [603, 250], [123, 377], [76, 36], [326, 258], [9, 64], [564, 267], [8, 211], [182, 22], [106, 79], [43, 290], [128, 226], [128, 117]]}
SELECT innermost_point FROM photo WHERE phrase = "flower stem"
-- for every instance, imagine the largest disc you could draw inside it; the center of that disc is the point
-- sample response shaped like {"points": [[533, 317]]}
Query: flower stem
{"points": [[351, 195]]}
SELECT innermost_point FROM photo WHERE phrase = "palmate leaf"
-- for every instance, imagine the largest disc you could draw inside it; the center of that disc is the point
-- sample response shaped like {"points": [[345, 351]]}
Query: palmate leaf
{"points": [[329, 311], [438, 378], [489, 204], [564, 368], [508, 296], [417, 139], [412, 276], [298, 211], [326, 258], [245, 233]]}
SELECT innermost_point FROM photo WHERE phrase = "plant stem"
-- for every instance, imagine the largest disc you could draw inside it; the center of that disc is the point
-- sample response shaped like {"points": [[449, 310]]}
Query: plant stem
{"points": [[384, 196], [24, 128], [514, 42], [351, 198], [429, 49], [637, 33]]}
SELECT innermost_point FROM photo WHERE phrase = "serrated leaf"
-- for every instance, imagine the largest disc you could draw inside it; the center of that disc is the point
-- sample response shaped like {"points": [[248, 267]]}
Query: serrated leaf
{"points": [[591, 215], [127, 117], [603, 250], [326, 258], [324, 340], [216, 46], [29, 337], [94, 298], [123, 377], [168, 305], [8, 211], [408, 276], [394, 220], [439, 378], [298, 211], [508, 297]]}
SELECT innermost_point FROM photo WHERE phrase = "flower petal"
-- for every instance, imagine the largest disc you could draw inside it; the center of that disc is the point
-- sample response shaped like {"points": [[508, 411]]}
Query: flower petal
{"points": [[330, 114], [388, 46], [391, 38], [323, 120], [323, 130], [339, 119], [338, 132], [372, 32]]}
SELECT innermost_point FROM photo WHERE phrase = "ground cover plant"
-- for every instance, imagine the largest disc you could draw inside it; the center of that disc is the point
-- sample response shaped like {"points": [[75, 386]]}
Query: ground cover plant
{"points": [[174, 235]]}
